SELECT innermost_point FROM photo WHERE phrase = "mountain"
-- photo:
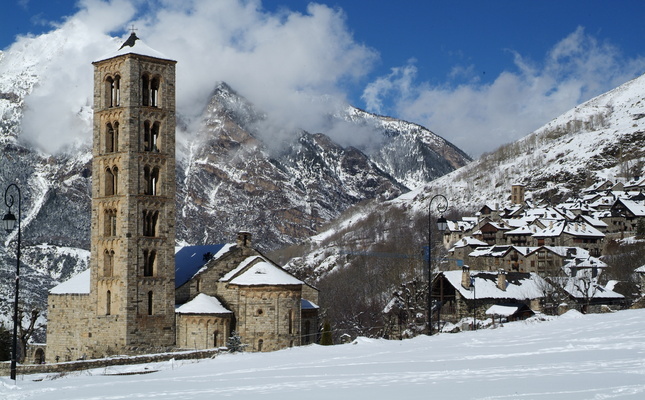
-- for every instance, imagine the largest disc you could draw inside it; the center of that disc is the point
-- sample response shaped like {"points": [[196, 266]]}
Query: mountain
{"points": [[603, 138], [231, 173]]}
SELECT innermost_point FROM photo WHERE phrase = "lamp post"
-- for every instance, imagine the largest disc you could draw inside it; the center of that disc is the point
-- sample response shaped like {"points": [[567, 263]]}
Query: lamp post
{"points": [[441, 207], [472, 286], [9, 221]]}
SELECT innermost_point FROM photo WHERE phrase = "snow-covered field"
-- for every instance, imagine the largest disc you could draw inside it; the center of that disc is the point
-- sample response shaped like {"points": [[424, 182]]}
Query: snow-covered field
{"points": [[572, 357]]}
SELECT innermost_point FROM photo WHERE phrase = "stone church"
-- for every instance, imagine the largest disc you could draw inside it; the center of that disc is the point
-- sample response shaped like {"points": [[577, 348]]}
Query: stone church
{"points": [[140, 295]]}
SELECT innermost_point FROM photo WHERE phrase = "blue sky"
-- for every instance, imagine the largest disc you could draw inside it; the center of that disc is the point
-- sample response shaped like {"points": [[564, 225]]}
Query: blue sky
{"points": [[465, 69]]}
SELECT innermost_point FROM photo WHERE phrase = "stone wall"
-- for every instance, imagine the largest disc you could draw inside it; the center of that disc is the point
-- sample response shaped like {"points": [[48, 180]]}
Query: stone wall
{"points": [[200, 331], [64, 367]]}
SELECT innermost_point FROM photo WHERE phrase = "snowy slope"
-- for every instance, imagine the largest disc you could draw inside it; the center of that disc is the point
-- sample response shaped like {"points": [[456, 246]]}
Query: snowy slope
{"points": [[603, 138], [572, 357]]}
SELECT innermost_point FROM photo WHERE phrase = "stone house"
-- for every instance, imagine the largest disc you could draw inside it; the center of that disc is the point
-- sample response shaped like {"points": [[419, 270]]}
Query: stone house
{"points": [[466, 293], [571, 234]]}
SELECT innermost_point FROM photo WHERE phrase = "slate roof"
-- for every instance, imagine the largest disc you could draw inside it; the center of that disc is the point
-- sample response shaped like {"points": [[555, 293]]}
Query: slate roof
{"points": [[189, 260]]}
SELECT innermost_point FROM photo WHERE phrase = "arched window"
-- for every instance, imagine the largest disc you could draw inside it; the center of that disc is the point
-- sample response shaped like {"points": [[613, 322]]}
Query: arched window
{"points": [[145, 90], [108, 263], [110, 178], [154, 92], [150, 302], [109, 223], [116, 91], [108, 303], [109, 138], [148, 262], [115, 137], [151, 178], [115, 180], [147, 140], [260, 343], [215, 337], [154, 137], [109, 85], [150, 223]]}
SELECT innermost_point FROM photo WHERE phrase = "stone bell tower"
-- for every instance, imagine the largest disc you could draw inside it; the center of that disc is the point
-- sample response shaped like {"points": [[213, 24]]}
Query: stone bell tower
{"points": [[132, 283]]}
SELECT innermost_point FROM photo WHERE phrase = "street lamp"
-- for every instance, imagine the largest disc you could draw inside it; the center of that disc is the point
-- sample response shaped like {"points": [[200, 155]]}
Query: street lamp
{"points": [[441, 207], [9, 222], [472, 287]]}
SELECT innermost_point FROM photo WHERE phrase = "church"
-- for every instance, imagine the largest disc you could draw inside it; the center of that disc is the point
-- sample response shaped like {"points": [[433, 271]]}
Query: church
{"points": [[141, 295]]}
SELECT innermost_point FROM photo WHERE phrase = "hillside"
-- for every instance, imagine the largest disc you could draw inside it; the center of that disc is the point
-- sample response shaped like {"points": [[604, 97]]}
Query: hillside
{"points": [[570, 357]]}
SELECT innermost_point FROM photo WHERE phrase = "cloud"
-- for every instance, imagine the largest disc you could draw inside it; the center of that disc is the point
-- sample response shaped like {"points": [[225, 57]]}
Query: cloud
{"points": [[479, 117], [282, 62]]}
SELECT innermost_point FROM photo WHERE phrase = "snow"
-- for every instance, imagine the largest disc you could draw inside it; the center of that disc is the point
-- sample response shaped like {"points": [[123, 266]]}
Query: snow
{"points": [[529, 286], [260, 273], [501, 310], [139, 48], [78, 284], [572, 357], [203, 304]]}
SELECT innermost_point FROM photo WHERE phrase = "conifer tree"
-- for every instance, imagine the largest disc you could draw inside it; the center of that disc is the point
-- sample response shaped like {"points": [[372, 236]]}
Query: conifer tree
{"points": [[234, 343], [326, 338]]}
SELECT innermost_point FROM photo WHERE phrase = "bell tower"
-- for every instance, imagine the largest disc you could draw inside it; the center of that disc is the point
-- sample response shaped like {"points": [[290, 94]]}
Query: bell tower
{"points": [[132, 283]]}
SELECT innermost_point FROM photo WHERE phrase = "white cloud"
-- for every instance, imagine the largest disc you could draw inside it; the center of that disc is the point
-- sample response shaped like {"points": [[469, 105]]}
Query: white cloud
{"points": [[479, 117], [280, 61]]}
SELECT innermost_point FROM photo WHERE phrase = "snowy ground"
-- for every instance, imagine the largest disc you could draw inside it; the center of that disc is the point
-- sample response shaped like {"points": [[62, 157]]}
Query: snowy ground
{"points": [[572, 357]]}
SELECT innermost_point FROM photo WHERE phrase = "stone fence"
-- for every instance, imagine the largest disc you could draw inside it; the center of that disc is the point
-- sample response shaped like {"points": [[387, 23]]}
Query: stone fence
{"points": [[26, 369]]}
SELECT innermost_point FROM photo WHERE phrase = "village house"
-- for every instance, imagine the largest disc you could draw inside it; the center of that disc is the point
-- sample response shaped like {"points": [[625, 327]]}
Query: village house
{"points": [[471, 293]]}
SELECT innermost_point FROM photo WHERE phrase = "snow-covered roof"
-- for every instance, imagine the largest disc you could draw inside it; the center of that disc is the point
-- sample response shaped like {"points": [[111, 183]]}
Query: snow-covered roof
{"points": [[519, 286], [257, 270], [634, 207], [505, 310], [572, 228], [587, 288], [203, 304], [137, 47], [78, 284], [469, 241]]}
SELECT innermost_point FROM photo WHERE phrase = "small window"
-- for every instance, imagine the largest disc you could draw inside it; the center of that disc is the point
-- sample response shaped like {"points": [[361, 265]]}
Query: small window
{"points": [[150, 302], [260, 343], [259, 312], [108, 303]]}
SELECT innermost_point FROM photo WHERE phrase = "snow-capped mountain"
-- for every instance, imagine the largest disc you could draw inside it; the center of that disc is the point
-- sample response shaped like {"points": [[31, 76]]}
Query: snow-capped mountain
{"points": [[603, 138], [231, 175]]}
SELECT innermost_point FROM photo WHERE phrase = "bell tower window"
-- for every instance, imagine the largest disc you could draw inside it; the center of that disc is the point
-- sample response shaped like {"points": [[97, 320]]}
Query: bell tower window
{"points": [[154, 92], [109, 227], [113, 91], [112, 137], [149, 262], [108, 263], [111, 180], [145, 90], [151, 179], [150, 223]]}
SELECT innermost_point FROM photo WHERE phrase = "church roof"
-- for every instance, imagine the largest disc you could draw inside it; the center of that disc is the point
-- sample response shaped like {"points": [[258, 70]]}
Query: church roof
{"points": [[134, 45], [203, 304], [256, 271], [189, 260]]}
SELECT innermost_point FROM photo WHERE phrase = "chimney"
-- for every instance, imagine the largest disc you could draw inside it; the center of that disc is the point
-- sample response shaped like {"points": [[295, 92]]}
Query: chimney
{"points": [[465, 276], [244, 239], [501, 279]]}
